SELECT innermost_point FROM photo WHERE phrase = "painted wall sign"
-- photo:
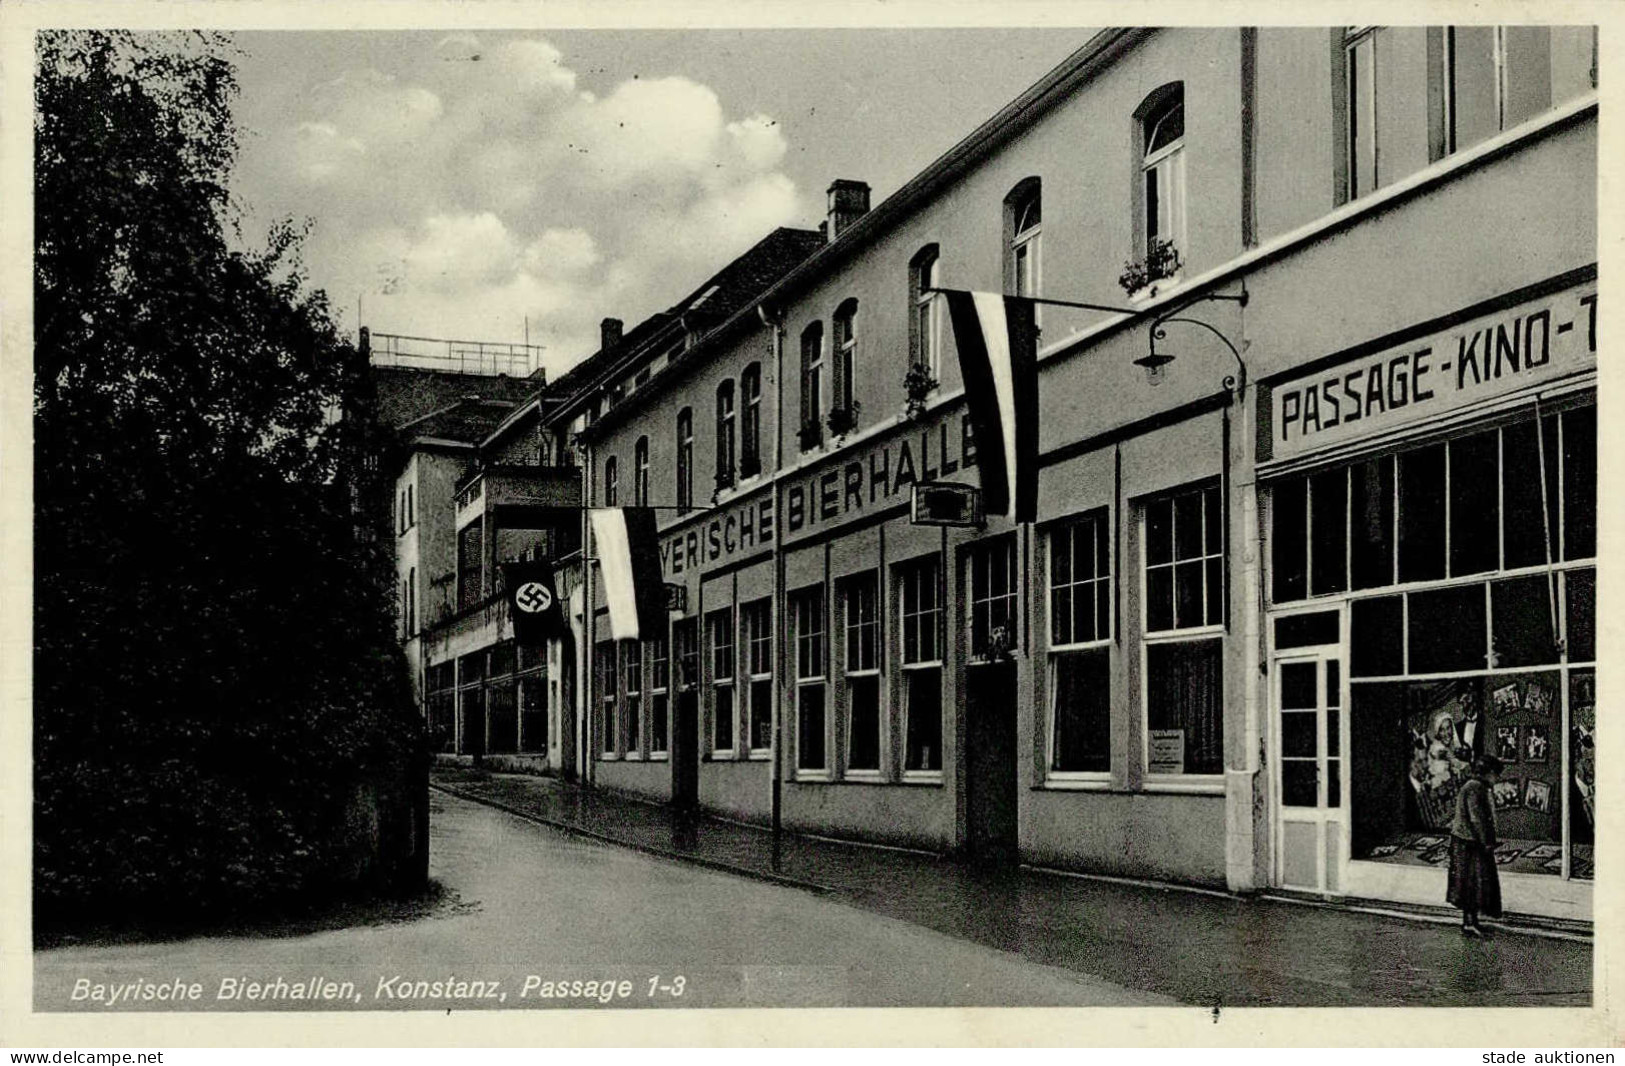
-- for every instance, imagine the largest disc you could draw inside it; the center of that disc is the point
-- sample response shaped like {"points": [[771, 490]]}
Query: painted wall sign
{"points": [[884, 475], [1479, 359], [740, 530]]}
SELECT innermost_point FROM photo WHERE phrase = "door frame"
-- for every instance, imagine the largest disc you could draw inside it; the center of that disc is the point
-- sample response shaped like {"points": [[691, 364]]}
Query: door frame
{"points": [[1322, 814]]}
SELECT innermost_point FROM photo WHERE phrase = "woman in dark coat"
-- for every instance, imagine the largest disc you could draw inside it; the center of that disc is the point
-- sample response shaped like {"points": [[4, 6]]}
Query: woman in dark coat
{"points": [[1475, 886]]}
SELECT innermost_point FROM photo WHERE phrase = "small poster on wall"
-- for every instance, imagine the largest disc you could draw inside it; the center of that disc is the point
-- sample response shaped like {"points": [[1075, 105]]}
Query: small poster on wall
{"points": [[1537, 743], [1506, 743], [1167, 752], [1537, 698], [1537, 796], [1508, 794], [1506, 698]]}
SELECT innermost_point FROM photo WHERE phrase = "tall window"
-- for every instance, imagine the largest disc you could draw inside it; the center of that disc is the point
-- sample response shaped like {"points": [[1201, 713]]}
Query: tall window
{"points": [[1080, 604], [632, 679], [1162, 169], [919, 596], [807, 610], [685, 649], [640, 472], [750, 421], [993, 597], [1183, 536], [757, 620], [1024, 215], [846, 347], [606, 676], [812, 386], [922, 309], [1494, 78], [1360, 63], [612, 482], [685, 458], [719, 627], [659, 694], [725, 434], [470, 564], [861, 597], [411, 600], [411, 506]]}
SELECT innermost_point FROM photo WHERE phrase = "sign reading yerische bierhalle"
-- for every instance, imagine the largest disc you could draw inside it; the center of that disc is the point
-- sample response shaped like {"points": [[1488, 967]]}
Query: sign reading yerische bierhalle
{"points": [[1480, 359]]}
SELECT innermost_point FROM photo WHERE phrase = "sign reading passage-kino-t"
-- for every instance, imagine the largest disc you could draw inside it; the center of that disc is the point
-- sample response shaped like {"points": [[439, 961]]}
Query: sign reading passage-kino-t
{"points": [[1480, 359]]}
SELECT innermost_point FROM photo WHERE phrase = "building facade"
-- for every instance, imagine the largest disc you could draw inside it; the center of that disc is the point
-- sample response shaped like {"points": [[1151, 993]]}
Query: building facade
{"points": [[1281, 586]]}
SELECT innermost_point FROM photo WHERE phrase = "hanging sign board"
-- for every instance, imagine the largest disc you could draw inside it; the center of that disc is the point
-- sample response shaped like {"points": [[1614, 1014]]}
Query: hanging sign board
{"points": [[1432, 374]]}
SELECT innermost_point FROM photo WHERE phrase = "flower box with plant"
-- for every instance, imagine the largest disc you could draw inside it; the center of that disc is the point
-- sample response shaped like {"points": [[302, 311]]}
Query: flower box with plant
{"points": [[725, 479], [749, 466], [1161, 262], [918, 384], [844, 419], [811, 435]]}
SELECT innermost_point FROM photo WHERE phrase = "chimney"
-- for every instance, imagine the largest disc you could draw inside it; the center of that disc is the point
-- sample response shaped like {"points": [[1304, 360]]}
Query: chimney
{"points": [[848, 202], [609, 333]]}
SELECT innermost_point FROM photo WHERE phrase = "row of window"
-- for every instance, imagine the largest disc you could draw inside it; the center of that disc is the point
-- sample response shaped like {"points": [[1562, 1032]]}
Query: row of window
{"points": [[490, 702], [1184, 593], [1481, 80]]}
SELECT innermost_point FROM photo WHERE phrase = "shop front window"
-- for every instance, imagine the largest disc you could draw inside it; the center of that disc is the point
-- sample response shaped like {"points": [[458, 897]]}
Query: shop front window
{"points": [[1488, 644]]}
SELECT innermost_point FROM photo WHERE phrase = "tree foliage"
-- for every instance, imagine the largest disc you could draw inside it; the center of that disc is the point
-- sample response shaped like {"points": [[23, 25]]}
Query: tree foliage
{"points": [[214, 669]]}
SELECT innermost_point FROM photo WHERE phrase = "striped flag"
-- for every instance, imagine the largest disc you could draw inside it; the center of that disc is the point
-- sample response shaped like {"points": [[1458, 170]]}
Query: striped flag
{"points": [[629, 561], [998, 359]]}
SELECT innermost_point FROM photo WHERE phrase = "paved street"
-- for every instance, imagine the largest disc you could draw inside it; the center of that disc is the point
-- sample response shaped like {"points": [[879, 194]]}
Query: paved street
{"points": [[533, 900], [872, 927], [1207, 949]]}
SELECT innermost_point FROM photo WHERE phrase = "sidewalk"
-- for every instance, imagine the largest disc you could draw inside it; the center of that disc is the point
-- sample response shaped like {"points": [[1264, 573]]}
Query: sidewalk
{"points": [[1199, 947]]}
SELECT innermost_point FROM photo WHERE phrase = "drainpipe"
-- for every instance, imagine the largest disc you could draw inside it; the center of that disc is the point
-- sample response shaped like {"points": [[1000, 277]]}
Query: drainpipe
{"points": [[775, 322], [1245, 825], [585, 663]]}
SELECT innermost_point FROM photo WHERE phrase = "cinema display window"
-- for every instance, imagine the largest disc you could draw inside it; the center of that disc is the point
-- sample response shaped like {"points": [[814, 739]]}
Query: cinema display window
{"points": [[1485, 643]]}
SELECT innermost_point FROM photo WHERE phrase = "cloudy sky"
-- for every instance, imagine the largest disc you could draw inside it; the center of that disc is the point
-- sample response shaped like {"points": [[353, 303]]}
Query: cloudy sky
{"points": [[460, 183]]}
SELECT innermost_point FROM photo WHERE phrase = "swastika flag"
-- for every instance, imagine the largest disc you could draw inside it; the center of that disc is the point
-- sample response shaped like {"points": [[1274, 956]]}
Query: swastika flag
{"points": [[533, 603]]}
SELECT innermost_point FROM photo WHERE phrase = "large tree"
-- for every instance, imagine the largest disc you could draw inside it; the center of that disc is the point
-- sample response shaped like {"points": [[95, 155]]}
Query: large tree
{"points": [[214, 663]]}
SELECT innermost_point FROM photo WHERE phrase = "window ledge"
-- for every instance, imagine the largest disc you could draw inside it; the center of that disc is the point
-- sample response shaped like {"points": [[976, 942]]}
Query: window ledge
{"points": [[723, 756], [608, 756], [865, 777], [658, 756], [927, 778], [1075, 784], [1203, 785], [760, 754], [812, 777]]}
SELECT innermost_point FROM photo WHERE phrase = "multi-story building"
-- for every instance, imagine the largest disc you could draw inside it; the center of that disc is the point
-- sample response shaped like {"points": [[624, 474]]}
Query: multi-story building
{"points": [[1316, 491]]}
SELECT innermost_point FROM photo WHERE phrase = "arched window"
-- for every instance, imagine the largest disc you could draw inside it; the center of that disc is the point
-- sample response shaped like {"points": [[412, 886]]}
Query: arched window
{"points": [[725, 434], [1024, 227], [685, 458], [640, 472], [750, 421], [922, 309], [611, 482], [812, 385], [846, 346], [1162, 176]]}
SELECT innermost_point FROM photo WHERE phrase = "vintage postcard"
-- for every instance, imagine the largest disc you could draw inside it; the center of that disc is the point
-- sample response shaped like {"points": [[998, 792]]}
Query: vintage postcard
{"points": [[542, 512]]}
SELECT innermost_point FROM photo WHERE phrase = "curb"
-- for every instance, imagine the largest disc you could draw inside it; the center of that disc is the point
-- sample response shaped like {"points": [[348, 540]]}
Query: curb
{"points": [[647, 849]]}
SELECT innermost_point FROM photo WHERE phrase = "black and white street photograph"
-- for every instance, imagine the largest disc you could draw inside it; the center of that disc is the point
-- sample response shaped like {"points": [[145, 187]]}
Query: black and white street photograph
{"points": [[524, 514]]}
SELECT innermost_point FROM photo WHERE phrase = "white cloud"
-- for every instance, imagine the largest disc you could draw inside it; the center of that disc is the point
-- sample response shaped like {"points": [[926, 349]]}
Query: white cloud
{"points": [[487, 188]]}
